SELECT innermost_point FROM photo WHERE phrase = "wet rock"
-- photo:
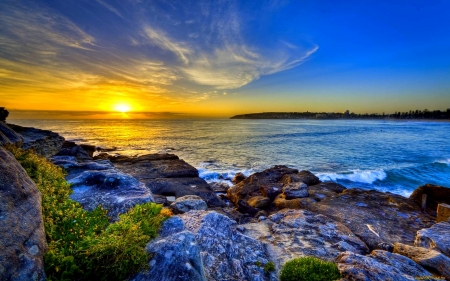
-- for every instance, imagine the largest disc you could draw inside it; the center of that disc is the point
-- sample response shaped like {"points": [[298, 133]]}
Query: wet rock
{"points": [[70, 148], [90, 149], [259, 202], [295, 190], [22, 237], [219, 187], [175, 257], [188, 203], [9, 136], [45, 143], [435, 195], [379, 265], [296, 233], [429, 259], [271, 191], [227, 254], [303, 176], [251, 186], [299, 203], [238, 178], [436, 237]]}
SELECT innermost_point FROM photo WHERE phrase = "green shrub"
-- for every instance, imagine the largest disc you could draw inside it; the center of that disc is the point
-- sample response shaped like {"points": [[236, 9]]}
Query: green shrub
{"points": [[309, 269], [82, 245], [269, 267]]}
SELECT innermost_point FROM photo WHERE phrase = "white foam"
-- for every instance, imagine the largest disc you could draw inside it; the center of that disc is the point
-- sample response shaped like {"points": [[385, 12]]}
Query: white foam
{"points": [[368, 177], [219, 176], [445, 161]]}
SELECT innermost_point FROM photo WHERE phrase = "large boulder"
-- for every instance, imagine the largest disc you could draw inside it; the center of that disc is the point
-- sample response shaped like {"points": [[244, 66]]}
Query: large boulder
{"points": [[188, 203], [429, 259], [303, 176], [435, 195], [380, 265], [295, 233], [250, 187], [45, 143], [9, 136], [166, 174], [70, 148], [295, 190], [238, 177], [22, 237], [436, 237], [3, 114]]}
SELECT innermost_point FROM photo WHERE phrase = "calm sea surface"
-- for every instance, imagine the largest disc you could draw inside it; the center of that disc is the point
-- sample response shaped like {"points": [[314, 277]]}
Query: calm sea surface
{"points": [[385, 155]]}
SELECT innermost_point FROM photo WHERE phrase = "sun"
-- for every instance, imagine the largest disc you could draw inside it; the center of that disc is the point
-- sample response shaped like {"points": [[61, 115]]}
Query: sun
{"points": [[122, 107]]}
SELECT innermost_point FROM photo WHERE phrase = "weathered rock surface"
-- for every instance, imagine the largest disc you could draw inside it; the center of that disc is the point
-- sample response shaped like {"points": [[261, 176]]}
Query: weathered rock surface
{"points": [[238, 177], [303, 176], [45, 143], [435, 195], [271, 191], [188, 203], [22, 237], [436, 237], [259, 202], [295, 190], [430, 259], [3, 114], [373, 216], [298, 203], [251, 186], [98, 182], [70, 148], [379, 265], [219, 187], [9, 136], [166, 174], [295, 233]]}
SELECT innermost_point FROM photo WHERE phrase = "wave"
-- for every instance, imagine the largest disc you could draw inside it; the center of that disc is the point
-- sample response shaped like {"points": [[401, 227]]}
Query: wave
{"points": [[368, 177], [445, 161], [218, 176]]}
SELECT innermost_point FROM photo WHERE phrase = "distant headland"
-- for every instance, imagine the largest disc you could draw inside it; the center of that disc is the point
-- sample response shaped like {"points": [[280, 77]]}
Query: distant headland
{"points": [[412, 114]]}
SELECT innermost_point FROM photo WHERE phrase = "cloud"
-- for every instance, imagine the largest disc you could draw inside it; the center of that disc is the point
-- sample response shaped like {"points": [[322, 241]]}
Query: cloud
{"points": [[160, 39]]}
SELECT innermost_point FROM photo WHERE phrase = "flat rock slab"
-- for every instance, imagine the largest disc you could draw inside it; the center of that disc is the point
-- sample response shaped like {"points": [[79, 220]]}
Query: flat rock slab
{"points": [[188, 203], [436, 237], [296, 233], [153, 169]]}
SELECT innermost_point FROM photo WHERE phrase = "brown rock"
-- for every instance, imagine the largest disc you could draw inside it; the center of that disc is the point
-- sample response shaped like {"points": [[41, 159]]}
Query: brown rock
{"points": [[295, 190], [245, 208], [271, 191], [437, 237], [238, 178], [443, 212], [22, 237], [435, 195], [259, 202], [304, 176], [299, 203]]}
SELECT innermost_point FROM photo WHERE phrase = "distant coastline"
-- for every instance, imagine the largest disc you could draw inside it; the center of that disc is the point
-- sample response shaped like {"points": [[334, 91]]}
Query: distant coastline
{"points": [[412, 115]]}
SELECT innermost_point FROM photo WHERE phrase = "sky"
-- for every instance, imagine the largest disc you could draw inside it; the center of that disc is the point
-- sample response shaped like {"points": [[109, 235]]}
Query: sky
{"points": [[156, 59]]}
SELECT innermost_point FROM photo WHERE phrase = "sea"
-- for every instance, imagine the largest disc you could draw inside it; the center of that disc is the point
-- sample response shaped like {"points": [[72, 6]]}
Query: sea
{"points": [[386, 155]]}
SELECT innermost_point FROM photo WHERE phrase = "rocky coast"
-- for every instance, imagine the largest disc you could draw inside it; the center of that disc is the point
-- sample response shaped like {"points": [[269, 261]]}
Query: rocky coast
{"points": [[271, 216]]}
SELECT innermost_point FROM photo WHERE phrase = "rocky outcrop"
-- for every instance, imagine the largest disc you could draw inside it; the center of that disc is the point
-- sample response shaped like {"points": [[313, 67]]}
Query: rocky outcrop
{"points": [[432, 260], [99, 182], [238, 177], [188, 203], [166, 174], [69, 148], [45, 143], [435, 195], [22, 237], [436, 237], [3, 114], [303, 176], [296, 233], [295, 190], [9, 136], [380, 265]]}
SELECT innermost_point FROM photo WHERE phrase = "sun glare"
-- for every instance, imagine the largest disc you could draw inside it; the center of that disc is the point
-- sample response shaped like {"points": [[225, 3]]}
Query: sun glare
{"points": [[122, 108]]}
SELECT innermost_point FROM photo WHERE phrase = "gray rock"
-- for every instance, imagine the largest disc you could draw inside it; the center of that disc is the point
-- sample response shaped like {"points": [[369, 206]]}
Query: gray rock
{"points": [[295, 233], [219, 186], [379, 265], [188, 203], [22, 237], [295, 190], [175, 257], [429, 259], [70, 148], [227, 254], [45, 143], [436, 237], [9, 136]]}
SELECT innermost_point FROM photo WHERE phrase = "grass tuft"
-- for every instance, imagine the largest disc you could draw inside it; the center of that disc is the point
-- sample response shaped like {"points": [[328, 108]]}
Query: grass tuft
{"points": [[309, 269]]}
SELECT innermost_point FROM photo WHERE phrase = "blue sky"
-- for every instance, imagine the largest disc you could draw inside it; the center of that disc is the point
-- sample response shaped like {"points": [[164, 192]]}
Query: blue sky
{"points": [[218, 58]]}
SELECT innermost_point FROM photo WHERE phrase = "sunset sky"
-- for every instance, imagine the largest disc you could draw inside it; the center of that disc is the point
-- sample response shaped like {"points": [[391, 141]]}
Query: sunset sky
{"points": [[220, 58]]}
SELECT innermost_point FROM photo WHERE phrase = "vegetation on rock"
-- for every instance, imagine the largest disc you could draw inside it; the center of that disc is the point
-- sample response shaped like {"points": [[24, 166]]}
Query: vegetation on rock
{"points": [[83, 245], [309, 269]]}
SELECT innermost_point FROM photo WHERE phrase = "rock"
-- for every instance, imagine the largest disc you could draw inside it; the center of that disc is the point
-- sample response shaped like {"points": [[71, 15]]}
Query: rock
{"points": [[160, 199], [90, 149], [3, 114], [188, 203], [251, 186], [70, 148], [235, 215], [435, 195], [245, 208], [238, 177], [166, 174], [22, 237], [429, 259], [102, 156], [379, 265], [443, 212], [299, 203], [375, 217], [295, 190], [9, 136], [45, 143], [304, 176], [227, 254], [271, 191], [219, 187], [436, 237], [259, 202], [325, 189], [296, 233], [176, 257]]}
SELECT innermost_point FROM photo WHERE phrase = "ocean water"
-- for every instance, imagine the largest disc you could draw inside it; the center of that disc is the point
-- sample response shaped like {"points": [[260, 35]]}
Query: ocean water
{"points": [[390, 156]]}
